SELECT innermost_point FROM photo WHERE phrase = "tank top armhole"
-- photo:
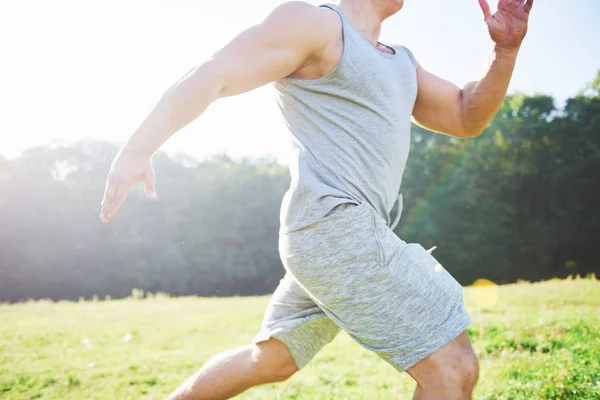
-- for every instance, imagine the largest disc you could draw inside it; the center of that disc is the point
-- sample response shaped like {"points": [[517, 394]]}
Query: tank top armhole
{"points": [[409, 53], [341, 61]]}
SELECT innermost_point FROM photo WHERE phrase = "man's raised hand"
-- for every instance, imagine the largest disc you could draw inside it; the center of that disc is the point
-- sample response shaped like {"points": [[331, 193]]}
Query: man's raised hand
{"points": [[508, 25], [128, 168]]}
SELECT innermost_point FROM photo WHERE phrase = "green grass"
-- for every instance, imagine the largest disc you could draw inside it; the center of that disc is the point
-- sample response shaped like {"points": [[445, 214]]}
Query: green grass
{"points": [[538, 341]]}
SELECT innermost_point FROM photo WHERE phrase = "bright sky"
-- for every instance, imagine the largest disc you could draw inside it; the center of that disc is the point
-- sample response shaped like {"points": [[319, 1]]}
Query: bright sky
{"points": [[80, 69]]}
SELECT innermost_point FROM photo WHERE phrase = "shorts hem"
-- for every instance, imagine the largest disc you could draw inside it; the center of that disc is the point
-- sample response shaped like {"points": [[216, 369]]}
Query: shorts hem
{"points": [[437, 341], [287, 339], [291, 339]]}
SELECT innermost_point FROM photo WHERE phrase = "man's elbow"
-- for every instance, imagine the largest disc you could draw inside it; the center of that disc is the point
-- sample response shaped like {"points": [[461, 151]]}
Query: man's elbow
{"points": [[470, 133], [465, 129], [215, 72], [467, 123], [207, 79]]}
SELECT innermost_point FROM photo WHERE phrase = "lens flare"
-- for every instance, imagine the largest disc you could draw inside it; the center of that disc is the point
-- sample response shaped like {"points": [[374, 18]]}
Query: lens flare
{"points": [[485, 293]]}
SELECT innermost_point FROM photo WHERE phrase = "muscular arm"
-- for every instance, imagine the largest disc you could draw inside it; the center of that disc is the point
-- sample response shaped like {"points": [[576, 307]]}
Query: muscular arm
{"points": [[443, 107], [267, 52], [290, 38]]}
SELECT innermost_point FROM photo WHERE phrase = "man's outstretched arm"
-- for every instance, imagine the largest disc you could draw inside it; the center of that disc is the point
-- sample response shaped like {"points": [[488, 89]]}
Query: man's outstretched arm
{"points": [[286, 41], [442, 106]]}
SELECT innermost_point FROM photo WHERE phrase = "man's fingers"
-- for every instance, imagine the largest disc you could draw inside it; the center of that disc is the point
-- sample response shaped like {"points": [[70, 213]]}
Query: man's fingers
{"points": [[109, 204], [150, 190], [528, 5], [115, 202], [127, 169], [485, 8], [115, 197], [149, 184], [109, 193]]}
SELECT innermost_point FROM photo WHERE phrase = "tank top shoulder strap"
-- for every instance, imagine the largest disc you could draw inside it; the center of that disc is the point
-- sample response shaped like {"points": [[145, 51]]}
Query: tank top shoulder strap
{"points": [[347, 29], [335, 8]]}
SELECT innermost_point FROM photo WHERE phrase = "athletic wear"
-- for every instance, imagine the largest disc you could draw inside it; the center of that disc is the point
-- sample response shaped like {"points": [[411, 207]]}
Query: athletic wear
{"points": [[350, 271], [350, 131], [345, 267]]}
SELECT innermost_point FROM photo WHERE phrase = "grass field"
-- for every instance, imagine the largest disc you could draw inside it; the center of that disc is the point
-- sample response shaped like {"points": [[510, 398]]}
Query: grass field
{"points": [[534, 341]]}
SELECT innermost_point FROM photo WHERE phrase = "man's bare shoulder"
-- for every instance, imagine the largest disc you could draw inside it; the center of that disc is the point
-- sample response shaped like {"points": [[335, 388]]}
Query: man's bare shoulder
{"points": [[301, 11], [306, 22]]}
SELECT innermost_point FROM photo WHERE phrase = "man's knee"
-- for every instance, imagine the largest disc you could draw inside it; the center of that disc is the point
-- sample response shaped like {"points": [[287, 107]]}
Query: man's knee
{"points": [[468, 370], [460, 372], [273, 360], [455, 375], [452, 369]]}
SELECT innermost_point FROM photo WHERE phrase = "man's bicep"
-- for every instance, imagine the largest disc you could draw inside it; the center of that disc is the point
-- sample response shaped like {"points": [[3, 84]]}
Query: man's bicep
{"points": [[270, 51], [438, 104]]}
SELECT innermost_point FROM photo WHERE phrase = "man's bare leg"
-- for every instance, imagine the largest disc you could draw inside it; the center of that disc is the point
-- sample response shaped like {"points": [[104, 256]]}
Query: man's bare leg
{"points": [[232, 372], [448, 374]]}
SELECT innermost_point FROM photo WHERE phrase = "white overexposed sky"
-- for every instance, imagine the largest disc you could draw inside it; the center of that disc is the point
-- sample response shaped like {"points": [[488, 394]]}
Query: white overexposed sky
{"points": [[71, 70]]}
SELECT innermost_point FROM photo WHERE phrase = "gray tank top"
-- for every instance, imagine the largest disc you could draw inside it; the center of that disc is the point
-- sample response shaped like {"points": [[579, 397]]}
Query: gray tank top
{"points": [[350, 131]]}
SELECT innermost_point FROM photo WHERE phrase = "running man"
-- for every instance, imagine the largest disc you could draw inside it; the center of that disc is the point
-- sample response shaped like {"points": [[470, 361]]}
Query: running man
{"points": [[348, 101]]}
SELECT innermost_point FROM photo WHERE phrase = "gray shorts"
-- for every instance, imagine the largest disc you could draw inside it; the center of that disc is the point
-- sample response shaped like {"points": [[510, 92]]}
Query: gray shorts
{"points": [[350, 271]]}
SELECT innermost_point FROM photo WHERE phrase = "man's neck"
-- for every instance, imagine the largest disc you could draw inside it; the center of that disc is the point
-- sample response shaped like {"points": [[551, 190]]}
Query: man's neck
{"points": [[364, 17]]}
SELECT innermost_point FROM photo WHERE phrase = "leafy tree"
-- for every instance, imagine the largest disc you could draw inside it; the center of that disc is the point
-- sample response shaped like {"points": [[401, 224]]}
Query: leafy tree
{"points": [[518, 202]]}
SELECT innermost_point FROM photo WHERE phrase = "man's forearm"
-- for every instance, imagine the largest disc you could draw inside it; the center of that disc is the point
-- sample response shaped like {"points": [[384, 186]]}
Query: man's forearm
{"points": [[481, 100], [179, 106]]}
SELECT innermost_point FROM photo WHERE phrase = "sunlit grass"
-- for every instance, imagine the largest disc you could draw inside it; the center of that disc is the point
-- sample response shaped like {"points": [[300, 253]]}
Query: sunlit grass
{"points": [[535, 341]]}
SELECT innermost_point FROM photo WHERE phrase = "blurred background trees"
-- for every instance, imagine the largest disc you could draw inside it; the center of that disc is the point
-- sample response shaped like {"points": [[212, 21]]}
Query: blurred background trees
{"points": [[519, 202]]}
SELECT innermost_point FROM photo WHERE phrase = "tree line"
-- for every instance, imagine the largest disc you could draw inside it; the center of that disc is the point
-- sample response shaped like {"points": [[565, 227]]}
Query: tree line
{"points": [[518, 202]]}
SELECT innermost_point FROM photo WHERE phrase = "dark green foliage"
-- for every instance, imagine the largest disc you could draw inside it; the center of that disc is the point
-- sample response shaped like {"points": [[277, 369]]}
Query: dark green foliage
{"points": [[519, 202], [213, 231]]}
